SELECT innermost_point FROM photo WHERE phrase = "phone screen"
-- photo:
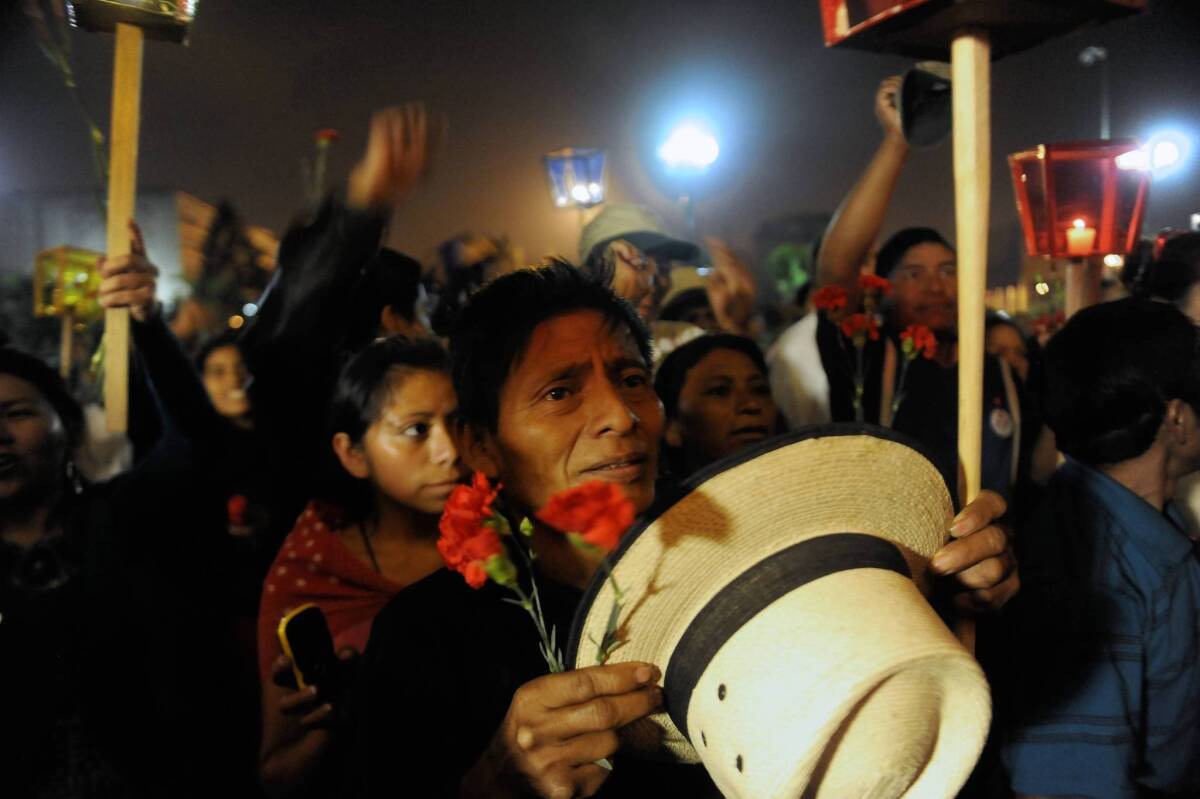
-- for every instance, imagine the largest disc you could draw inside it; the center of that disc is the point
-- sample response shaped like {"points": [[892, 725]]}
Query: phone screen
{"points": [[304, 636]]}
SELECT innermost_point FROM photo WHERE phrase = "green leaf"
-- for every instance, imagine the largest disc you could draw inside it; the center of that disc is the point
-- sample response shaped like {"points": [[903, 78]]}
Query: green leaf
{"points": [[584, 546], [501, 570]]}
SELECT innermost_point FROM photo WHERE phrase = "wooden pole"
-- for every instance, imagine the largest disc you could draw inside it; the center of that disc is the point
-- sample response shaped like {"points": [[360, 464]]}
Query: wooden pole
{"points": [[1084, 276], [66, 343], [122, 190], [971, 82]]}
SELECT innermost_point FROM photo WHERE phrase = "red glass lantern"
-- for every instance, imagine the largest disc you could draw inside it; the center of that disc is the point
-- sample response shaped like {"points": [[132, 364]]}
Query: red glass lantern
{"points": [[1081, 198], [924, 28]]}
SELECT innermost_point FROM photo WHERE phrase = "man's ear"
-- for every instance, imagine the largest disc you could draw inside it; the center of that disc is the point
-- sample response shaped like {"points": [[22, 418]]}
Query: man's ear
{"points": [[477, 448], [1182, 422], [673, 434], [351, 456]]}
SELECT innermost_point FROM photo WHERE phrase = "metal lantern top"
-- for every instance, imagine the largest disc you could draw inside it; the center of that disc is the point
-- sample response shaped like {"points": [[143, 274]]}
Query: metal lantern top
{"points": [[923, 29], [167, 20], [1081, 199], [576, 177]]}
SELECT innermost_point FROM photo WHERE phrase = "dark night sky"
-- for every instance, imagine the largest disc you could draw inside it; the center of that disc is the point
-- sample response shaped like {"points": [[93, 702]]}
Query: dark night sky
{"points": [[231, 115]]}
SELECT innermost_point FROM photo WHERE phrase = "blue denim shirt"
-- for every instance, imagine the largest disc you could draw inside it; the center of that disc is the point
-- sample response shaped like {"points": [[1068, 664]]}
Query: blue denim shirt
{"points": [[1104, 700]]}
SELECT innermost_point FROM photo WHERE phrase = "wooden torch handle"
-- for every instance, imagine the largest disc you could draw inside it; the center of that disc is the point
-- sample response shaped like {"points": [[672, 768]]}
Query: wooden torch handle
{"points": [[971, 81], [122, 190]]}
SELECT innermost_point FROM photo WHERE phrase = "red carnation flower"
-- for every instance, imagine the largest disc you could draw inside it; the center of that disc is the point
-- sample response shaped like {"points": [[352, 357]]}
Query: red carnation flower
{"points": [[467, 541], [875, 283], [598, 512], [236, 507], [918, 339], [830, 298], [859, 327], [326, 136]]}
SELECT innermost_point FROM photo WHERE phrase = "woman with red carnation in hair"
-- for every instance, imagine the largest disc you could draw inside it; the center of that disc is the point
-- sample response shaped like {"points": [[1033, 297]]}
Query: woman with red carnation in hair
{"points": [[391, 433]]}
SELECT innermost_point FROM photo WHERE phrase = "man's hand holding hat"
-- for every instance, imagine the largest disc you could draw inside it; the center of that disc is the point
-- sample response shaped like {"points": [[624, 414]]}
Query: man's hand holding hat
{"points": [[979, 557]]}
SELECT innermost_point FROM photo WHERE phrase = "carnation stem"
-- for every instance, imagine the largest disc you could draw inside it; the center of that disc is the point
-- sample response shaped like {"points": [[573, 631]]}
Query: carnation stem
{"points": [[533, 606], [899, 396], [858, 382]]}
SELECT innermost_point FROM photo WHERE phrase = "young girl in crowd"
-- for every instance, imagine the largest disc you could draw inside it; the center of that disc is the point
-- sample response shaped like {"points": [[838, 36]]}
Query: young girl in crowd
{"points": [[717, 400], [391, 423]]}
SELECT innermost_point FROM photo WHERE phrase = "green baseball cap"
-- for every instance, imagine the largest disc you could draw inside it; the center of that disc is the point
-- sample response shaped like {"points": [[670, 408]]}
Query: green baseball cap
{"points": [[639, 226]]}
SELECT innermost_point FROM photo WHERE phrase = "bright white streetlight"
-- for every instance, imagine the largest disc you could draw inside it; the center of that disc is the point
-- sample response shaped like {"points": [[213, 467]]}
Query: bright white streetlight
{"points": [[690, 146], [1163, 153], [1167, 151]]}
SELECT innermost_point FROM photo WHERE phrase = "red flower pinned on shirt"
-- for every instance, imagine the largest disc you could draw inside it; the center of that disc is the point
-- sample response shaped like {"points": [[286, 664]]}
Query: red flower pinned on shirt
{"points": [[830, 298], [326, 136], [859, 327], [236, 508], [470, 532], [871, 283], [598, 512], [918, 340]]}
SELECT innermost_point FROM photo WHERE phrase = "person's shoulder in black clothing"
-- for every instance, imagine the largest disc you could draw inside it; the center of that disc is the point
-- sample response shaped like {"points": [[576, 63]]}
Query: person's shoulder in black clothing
{"points": [[441, 666]]}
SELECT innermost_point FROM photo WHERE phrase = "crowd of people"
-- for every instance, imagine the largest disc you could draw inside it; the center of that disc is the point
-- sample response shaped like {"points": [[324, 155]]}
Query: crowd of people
{"points": [[307, 459]]}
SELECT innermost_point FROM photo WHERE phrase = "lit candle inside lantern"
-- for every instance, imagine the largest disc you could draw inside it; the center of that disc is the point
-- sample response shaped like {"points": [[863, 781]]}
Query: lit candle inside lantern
{"points": [[1080, 238]]}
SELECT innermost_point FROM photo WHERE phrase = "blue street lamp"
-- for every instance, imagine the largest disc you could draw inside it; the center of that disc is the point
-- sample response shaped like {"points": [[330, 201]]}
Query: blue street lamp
{"points": [[576, 177]]}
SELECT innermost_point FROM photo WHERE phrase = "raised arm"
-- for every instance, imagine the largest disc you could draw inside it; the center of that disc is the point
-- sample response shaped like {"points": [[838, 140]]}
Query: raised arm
{"points": [[292, 345], [856, 225], [303, 313]]}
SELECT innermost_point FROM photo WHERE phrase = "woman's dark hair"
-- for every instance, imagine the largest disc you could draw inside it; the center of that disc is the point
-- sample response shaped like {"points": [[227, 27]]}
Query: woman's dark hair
{"points": [[391, 280], [51, 386], [228, 338], [673, 371], [495, 326], [1176, 269], [366, 381], [1110, 373], [893, 250]]}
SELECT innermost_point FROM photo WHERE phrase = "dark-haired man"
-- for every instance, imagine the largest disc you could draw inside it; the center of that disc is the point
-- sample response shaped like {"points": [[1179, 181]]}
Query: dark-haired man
{"points": [[1105, 695], [813, 368], [553, 381]]}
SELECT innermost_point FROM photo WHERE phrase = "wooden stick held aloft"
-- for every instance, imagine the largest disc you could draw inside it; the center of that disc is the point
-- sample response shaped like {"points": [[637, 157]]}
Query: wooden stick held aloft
{"points": [[122, 192]]}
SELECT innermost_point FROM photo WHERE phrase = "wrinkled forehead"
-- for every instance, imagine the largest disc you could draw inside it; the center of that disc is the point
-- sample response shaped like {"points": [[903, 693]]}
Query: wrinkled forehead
{"points": [[572, 338]]}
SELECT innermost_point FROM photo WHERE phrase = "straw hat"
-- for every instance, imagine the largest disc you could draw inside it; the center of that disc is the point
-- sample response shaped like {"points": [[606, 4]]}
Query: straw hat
{"points": [[781, 595]]}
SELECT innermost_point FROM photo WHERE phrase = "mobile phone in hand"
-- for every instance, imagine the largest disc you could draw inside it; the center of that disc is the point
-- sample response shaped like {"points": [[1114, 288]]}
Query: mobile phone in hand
{"points": [[304, 636]]}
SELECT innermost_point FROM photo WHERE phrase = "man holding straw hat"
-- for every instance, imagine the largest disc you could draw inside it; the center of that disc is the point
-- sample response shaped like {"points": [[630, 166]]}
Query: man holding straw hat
{"points": [[552, 373]]}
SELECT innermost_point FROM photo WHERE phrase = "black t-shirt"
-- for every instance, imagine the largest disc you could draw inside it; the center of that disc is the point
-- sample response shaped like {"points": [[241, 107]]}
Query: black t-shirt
{"points": [[439, 672], [929, 410]]}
